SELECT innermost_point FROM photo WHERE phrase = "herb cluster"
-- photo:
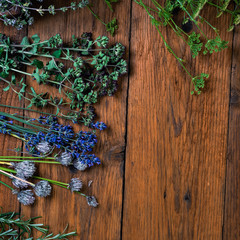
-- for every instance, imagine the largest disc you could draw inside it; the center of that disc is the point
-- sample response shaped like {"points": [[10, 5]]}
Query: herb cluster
{"points": [[44, 136], [26, 190], [18, 13], [82, 71], [15, 227], [164, 16]]}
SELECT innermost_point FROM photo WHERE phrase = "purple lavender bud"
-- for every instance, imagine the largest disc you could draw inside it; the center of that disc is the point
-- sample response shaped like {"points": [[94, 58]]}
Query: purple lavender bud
{"points": [[26, 197], [43, 147], [65, 158], [24, 169], [75, 185], [79, 165], [92, 201], [43, 189]]}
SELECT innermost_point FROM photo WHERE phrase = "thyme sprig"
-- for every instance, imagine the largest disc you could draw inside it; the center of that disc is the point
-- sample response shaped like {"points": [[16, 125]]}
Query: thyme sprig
{"points": [[15, 227], [18, 13], [80, 71]]}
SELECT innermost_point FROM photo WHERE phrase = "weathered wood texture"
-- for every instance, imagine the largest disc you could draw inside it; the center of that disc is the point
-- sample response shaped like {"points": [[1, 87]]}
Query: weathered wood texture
{"points": [[67, 208], [232, 199], [176, 143], [170, 160]]}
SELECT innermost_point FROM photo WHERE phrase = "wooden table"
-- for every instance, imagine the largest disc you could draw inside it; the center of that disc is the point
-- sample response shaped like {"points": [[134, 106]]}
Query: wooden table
{"points": [[170, 160]]}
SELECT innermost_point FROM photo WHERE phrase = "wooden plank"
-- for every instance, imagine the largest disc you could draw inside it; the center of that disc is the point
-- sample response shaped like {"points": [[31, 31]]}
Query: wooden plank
{"points": [[176, 143], [63, 207], [231, 225], [8, 201]]}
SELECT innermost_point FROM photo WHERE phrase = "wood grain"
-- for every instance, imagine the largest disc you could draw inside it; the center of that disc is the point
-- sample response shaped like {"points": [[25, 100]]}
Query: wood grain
{"points": [[9, 201], [231, 225], [63, 207], [176, 165], [176, 143]]}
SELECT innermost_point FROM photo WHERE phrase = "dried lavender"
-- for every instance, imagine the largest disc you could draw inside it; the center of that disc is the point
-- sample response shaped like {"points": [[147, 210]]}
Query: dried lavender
{"points": [[42, 189], [46, 134], [65, 158], [26, 197], [43, 147], [75, 185], [25, 169], [92, 201]]}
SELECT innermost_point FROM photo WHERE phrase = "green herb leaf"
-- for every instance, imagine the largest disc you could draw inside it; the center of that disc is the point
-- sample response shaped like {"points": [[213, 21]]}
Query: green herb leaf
{"points": [[25, 41], [35, 38], [37, 63], [57, 53], [6, 88]]}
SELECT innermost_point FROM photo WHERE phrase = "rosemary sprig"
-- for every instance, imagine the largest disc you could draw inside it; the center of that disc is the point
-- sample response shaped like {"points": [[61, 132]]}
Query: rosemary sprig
{"points": [[15, 227]]}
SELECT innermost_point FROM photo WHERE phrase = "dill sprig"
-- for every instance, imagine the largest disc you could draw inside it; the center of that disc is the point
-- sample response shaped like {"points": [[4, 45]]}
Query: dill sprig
{"points": [[198, 41]]}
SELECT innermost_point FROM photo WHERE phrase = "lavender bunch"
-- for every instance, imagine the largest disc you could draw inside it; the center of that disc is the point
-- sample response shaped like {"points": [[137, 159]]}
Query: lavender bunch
{"points": [[93, 70], [26, 189], [45, 135]]}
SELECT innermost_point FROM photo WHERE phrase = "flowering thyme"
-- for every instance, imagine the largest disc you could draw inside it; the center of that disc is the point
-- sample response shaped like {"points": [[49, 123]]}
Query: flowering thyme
{"points": [[93, 70], [18, 13]]}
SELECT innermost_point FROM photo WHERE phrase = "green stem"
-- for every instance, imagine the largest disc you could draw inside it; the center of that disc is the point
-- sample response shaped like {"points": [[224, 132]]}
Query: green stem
{"points": [[12, 176], [11, 157], [6, 185], [31, 110], [96, 16], [35, 161]]}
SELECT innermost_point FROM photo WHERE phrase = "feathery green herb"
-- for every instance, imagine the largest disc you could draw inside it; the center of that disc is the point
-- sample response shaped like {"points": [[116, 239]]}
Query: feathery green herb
{"points": [[198, 41]]}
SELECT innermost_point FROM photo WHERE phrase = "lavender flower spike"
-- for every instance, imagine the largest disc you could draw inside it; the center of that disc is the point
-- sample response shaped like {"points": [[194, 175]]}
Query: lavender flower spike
{"points": [[43, 189]]}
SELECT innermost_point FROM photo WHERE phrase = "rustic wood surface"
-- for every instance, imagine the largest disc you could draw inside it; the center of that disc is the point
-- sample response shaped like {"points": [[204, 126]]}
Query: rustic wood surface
{"points": [[170, 160]]}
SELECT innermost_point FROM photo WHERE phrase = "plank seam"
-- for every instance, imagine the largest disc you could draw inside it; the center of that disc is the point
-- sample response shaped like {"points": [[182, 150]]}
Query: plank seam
{"points": [[226, 160], [126, 122], [22, 145]]}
